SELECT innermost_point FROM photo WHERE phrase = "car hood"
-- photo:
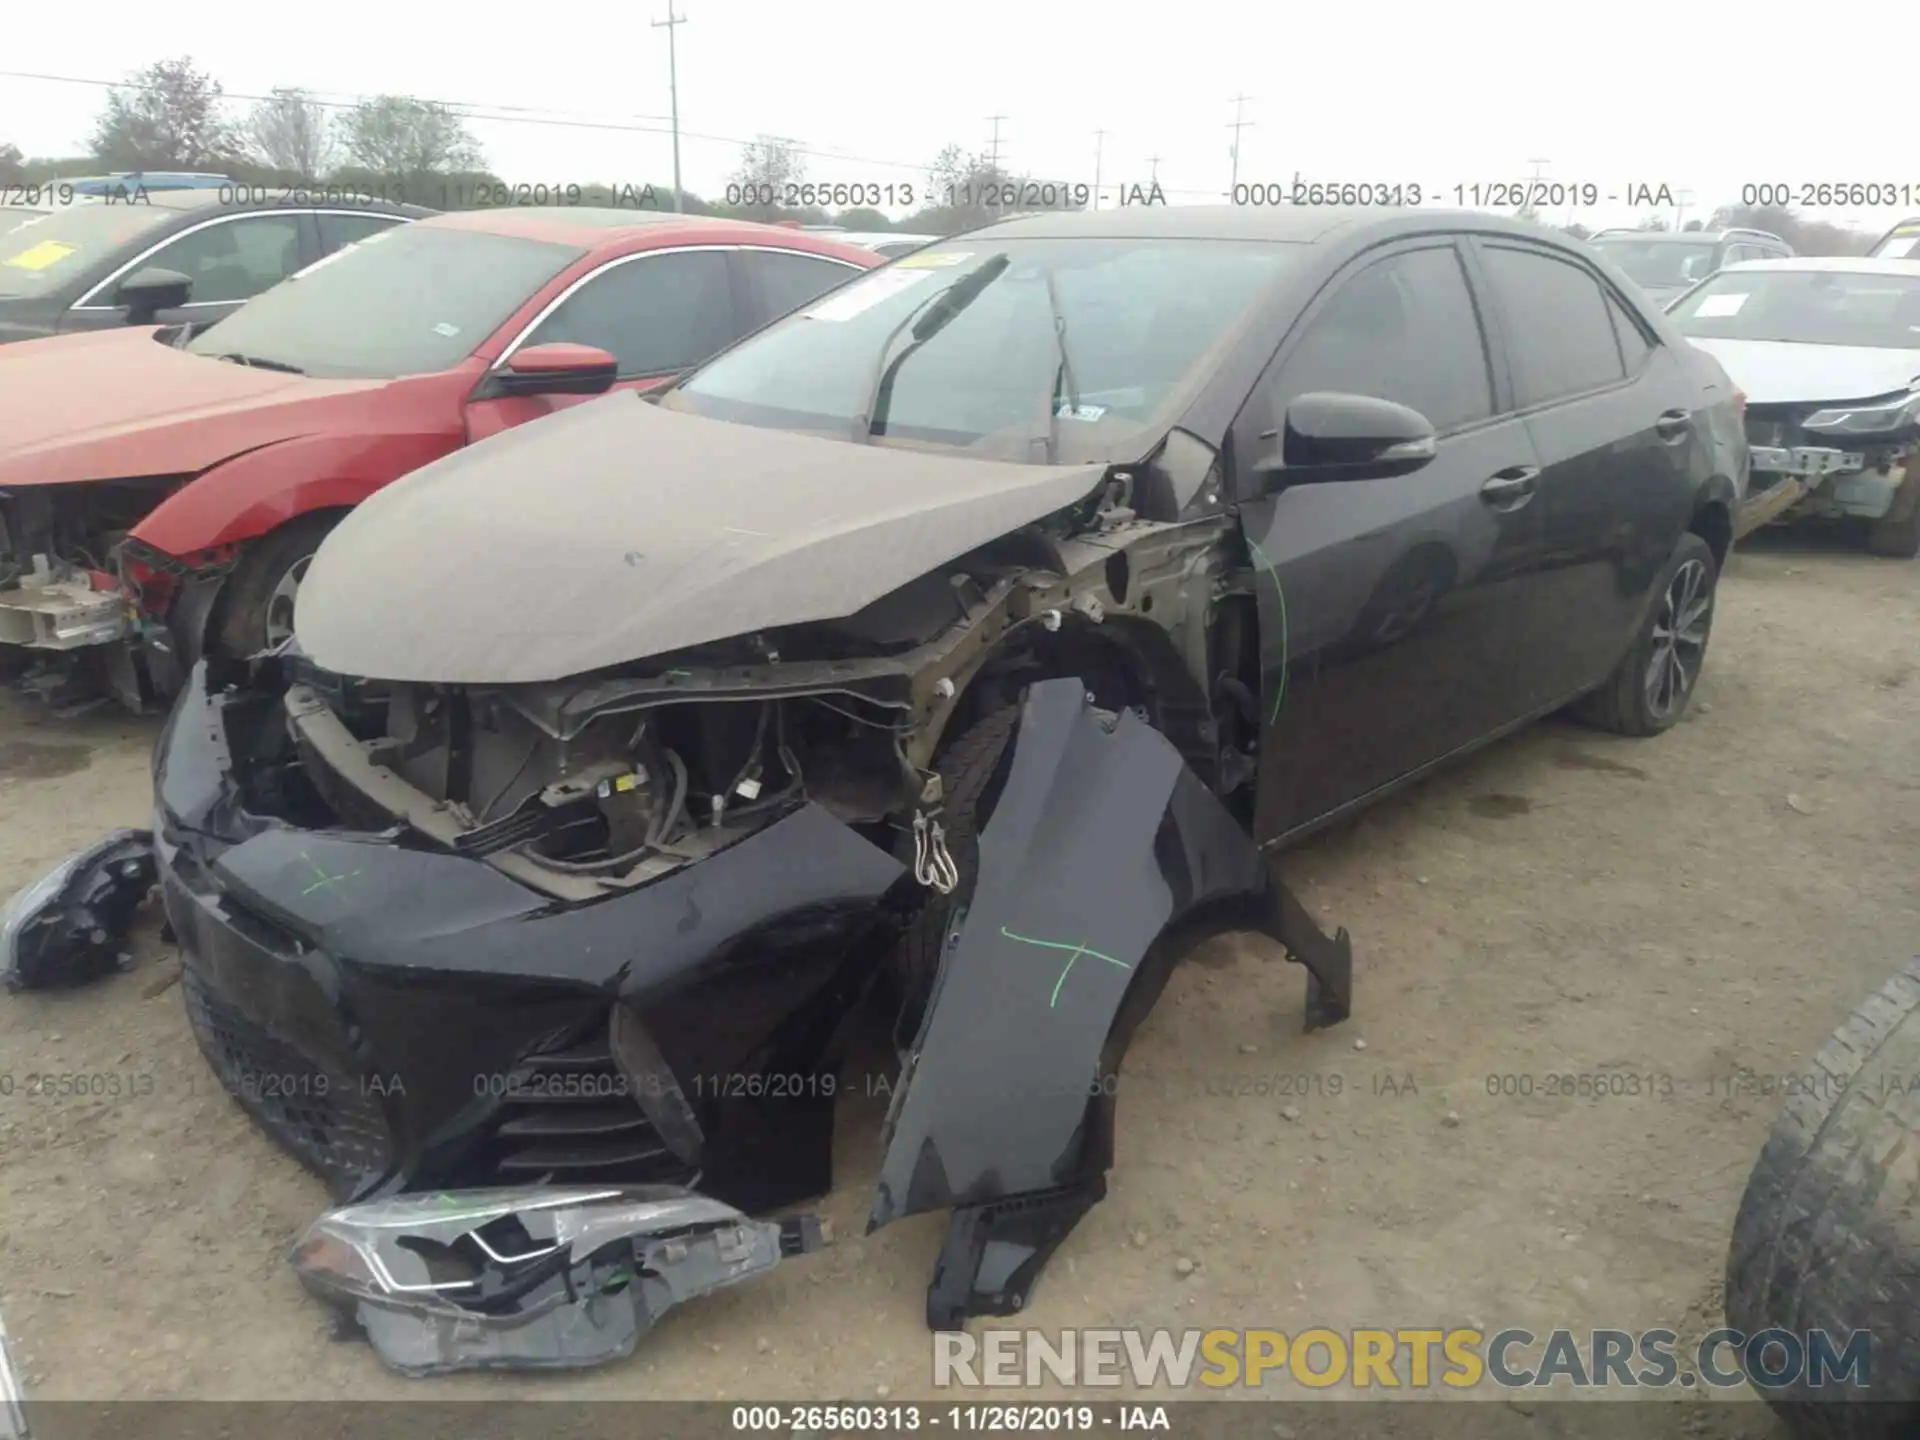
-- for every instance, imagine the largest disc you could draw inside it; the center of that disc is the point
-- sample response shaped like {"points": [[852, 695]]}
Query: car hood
{"points": [[115, 404], [616, 530], [1773, 372]]}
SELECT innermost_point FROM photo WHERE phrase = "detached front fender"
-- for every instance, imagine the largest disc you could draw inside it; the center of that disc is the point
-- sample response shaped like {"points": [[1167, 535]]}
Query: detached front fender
{"points": [[1104, 860]]}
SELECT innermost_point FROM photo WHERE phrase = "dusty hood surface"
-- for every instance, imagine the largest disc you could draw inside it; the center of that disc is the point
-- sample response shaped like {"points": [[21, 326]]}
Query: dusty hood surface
{"points": [[117, 403], [1774, 372], [616, 530]]}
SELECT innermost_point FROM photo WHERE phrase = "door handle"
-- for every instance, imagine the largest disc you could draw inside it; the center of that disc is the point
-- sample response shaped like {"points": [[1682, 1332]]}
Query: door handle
{"points": [[1672, 424], [1512, 487]]}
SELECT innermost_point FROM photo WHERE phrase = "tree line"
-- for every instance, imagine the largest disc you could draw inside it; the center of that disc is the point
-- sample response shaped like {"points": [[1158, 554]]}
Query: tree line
{"points": [[172, 115]]}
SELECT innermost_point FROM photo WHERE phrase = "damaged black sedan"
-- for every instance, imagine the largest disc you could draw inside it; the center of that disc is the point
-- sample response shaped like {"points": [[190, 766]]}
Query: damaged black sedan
{"points": [[970, 637]]}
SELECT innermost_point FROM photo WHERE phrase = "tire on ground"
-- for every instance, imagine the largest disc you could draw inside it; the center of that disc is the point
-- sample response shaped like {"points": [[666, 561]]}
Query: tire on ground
{"points": [[1620, 705], [1828, 1232], [240, 620]]}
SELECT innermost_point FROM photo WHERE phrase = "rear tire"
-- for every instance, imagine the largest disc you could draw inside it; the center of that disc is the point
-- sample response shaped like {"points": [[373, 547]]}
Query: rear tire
{"points": [[1634, 700], [256, 604], [1828, 1233]]}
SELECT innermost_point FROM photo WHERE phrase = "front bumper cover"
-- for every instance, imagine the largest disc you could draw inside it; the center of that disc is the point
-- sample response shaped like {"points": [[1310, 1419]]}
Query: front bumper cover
{"points": [[402, 1018]]}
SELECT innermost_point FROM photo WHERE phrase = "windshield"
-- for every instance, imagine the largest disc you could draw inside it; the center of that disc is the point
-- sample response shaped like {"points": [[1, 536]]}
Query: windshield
{"points": [[404, 301], [1659, 264], [46, 251], [13, 216], [1813, 307], [1141, 318]]}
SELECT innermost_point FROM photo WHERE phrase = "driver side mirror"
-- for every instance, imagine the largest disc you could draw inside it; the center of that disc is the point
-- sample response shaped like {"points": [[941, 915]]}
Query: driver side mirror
{"points": [[1329, 437], [147, 292], [560, 368]]}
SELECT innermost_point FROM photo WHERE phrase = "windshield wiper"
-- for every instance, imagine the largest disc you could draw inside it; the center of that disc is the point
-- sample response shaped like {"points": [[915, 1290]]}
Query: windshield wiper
{"points": [[255, 362], [938, 310], [1062, 375]]}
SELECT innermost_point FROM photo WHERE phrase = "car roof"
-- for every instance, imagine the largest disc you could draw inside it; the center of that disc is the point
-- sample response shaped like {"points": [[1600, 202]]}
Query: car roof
{"points": [[877, 237], [1842, 264], [609, 228], [1285, 224]]}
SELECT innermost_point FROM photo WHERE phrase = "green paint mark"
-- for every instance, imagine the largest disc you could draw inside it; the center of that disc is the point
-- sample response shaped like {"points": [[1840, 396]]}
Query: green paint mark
{"points": [[325, 879], [1075, 952], [1280, 593]]}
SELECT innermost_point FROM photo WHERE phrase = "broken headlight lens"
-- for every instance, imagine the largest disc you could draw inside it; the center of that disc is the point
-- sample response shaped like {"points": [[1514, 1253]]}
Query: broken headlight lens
{"points": [[1875, 418], [535, 1277]]}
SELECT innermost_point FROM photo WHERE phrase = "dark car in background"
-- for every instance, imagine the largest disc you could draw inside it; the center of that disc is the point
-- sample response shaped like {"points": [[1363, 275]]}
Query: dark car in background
{"points": [[190, 255], [964, 637], [1664, 263]]}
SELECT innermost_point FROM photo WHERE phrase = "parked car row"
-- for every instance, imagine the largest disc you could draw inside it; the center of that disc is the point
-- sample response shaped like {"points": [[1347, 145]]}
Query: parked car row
{"points": [[962, 631]]}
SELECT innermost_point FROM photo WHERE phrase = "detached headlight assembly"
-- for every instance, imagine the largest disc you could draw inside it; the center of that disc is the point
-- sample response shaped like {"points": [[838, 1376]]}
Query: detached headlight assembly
{"points": [[67, 927], [1874, 417]]}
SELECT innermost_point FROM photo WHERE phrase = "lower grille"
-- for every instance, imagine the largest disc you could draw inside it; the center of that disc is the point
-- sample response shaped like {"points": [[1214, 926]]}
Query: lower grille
{"points": [[328, 1121], [571, 1116]]}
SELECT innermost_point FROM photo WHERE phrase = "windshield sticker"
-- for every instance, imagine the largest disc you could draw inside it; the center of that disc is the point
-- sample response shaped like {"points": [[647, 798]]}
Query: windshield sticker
{"points": [[443, 328], [1085, 412], [45, 255], [863, 295], [1719, 305], [932, 259]]}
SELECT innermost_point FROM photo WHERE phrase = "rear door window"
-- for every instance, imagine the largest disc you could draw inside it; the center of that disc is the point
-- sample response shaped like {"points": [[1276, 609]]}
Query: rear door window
{"points": [[1560, 338]]}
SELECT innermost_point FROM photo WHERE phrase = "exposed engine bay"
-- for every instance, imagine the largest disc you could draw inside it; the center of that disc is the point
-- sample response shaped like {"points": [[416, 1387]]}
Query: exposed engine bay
{"points": [[576, 787]]}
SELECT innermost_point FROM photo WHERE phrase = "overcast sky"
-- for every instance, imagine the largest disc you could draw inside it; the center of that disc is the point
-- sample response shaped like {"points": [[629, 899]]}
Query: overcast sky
{"points": [[1623, 94]]}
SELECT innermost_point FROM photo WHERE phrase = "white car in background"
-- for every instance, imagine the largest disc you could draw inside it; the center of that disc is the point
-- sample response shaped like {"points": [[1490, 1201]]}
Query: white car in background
{"points": [[1827, 351]]}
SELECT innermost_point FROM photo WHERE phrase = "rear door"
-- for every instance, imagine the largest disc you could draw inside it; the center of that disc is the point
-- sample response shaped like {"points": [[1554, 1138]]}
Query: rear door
{"points": [[1387, 620], [656, 313], [1611, 413]]}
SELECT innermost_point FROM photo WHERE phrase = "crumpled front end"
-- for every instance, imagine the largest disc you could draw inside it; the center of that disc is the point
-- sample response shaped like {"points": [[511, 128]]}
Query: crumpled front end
{"points": [[400, 1015]]}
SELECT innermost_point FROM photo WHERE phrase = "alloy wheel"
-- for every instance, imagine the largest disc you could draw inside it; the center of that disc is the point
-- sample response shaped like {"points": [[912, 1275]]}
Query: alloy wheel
{"points": [[279, 620], [1679, 640]]}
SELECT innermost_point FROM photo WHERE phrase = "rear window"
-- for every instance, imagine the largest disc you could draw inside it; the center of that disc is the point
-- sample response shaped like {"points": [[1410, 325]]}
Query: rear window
{"points": [[44, 253]]}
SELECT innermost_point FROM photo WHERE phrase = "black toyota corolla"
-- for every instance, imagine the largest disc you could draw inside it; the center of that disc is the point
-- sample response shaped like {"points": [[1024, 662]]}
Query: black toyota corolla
{"points": [[968, 638]]}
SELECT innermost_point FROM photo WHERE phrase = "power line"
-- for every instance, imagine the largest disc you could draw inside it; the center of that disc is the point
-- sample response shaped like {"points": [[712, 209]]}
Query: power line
{"points": [[501, 114]]}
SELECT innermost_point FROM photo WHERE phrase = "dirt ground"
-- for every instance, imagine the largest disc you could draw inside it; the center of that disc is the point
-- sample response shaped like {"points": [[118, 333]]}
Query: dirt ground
{"points": [[1689, 910]]}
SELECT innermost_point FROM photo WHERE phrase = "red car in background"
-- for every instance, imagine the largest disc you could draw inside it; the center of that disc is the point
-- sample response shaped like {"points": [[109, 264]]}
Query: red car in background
{"points": [[162, 492]]}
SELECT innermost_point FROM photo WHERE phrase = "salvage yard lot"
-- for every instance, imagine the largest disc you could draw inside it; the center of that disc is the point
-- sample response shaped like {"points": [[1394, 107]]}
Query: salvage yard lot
{"points": [[1692, 914]]}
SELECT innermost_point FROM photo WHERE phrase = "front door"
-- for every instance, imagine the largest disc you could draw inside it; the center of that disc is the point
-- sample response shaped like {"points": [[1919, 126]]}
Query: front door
{"points": [[1386, 607]]}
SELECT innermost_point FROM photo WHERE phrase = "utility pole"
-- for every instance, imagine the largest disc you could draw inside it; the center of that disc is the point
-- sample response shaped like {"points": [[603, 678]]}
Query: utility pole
{"points": [[1682, 198], [1153, 174], [673, 91], [1528, 210], [1099, 142], [1239, 124], [993, 150]]}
